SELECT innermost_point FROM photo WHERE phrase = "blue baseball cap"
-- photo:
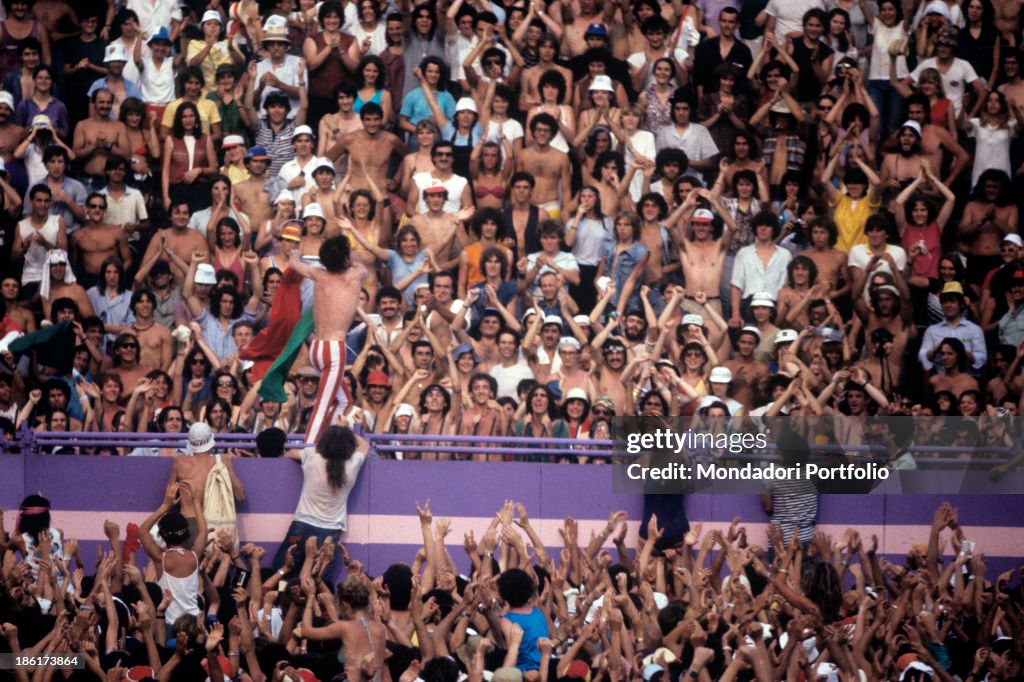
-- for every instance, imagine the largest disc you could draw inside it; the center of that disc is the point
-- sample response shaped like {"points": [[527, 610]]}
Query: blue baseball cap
{"points": [[596, 30], [257, 152], [161, 34]]}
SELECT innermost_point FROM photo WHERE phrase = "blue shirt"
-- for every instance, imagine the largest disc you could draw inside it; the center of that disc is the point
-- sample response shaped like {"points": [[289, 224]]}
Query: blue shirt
{"points": [[534, 627], [130, 90], [968, 332], [75, 191], [112, 312], [621, 268], [220, 341], [416, 109], [400, 269]]}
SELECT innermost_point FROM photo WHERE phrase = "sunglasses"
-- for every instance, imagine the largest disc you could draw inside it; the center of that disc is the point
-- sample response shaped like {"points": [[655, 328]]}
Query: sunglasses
{"points": [[198, 361], [225, 384], [602, 412], [442, 155], [102, 207], [130, 345]]}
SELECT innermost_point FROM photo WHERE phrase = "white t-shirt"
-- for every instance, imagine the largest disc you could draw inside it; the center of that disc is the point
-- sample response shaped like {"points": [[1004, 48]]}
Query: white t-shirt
{"points": [[319, 504], [954, 82], [637, 59], [157, 83], [455, 185], [287, 73], [860, 257], [509, 377], [789, 15]]}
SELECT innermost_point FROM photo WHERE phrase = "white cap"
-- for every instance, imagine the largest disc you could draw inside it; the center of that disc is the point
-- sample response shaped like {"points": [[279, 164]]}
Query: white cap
{"points": [[750, 329], [212, 15], [302, 130], [569, 341], [324, 164], [465, 104], [405, 410], [205, 274], [603, 83], [763, 298], [785, 336], [720, 375], [937, 7], [275, 22], [917, 665], [1014, 239], [581, 320], [7, 98], [577, 394], [702, 214], [914, 125], [692, 319], [890, 288], [285, 195], [56, 256], [313, 211], [232, 140], [200, 438], [552, 319], [115, 53]]}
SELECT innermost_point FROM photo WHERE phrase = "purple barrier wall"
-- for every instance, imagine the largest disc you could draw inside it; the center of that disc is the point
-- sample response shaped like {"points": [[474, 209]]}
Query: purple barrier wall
{"points": [[384, 528]]}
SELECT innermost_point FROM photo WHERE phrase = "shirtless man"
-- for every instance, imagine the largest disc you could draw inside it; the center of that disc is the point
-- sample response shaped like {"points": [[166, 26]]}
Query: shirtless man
{"points": [[547, 51], [443, 307], [335, 298], [250, 197], [362, 637], [157, 346], [57, 261], [179, 240], [1008, 19], [58, 17], [481, 415], [831, 262], [702, 257], [196, 465], [743, 365], [609, 360], [460, 196], [18, 313], [549, 167], [96, 241], [577, 16], [99, 136], [439, 230], [540, 345], [934, 139], [902, 167], [126, 365], [11, 134], [372, 147], [571, 375], [1013, 88], [987, 219]]}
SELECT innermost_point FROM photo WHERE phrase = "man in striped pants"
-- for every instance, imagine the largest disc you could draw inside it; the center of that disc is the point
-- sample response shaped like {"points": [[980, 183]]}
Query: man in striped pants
{"points": [[336, 285]]}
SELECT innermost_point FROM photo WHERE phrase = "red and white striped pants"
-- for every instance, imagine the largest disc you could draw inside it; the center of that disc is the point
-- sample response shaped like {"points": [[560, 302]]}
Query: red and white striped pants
{"points": [[328, 357]]}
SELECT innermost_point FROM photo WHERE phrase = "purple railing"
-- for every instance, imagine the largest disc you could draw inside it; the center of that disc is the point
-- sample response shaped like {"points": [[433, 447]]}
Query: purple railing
{"points": [[28, 440]]}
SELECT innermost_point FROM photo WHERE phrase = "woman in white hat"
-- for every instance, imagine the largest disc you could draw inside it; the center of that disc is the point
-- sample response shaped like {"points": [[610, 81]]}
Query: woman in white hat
{"points": [[213, 50], [601, 110]]}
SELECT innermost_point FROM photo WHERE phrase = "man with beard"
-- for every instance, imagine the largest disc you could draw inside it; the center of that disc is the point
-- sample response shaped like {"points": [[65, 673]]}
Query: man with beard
{"points": [[744, 366], [177, 240], [369, 149], [98, 137], [902, 167], [389, 326], [607, 372], [934, 139]]}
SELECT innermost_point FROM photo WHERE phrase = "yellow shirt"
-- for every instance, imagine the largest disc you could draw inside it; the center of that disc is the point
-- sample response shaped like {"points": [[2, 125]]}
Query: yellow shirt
{"points": [[850, 217], [218, 54], [235, 174], [209, 114]]}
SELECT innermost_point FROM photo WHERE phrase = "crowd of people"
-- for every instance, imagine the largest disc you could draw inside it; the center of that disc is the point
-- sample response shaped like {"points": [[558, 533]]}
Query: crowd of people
{"points": [[677, 603], [564, 211]]}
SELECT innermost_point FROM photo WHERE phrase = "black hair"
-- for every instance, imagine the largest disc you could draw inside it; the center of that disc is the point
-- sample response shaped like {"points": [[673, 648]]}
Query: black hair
{"points": [[388, 292], [366, 195], [491, 381], [397, 579], [658, 200], [766, 218], [336, 445], [330, 7], [173, 529], [522, 176], [335, 254], [278, 98], [442, 83], [807, 263], [671, 155], [495, 252], [54, 152], [178, 128], [516, 587]]}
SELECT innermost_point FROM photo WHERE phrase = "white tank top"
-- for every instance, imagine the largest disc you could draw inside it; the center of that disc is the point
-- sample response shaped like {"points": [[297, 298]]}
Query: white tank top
{"points": [[184, 591], [35, 257]]}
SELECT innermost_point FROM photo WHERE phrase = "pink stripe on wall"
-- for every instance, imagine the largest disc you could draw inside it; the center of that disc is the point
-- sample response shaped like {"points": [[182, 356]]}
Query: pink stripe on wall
{"points": [[388, 529]]}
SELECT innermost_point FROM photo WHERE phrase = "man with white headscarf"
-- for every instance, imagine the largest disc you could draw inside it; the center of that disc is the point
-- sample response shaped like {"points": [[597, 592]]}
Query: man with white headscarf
{"points": [[59, 282]]}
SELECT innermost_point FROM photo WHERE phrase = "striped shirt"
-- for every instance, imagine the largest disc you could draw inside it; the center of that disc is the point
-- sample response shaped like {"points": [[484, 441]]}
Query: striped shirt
{"points": [[278, 145], [794, 506]]}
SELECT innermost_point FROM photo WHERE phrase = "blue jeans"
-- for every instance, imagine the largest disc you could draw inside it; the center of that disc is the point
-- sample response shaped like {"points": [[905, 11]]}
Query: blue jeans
{"points": [[297, 534], [889, 104]]}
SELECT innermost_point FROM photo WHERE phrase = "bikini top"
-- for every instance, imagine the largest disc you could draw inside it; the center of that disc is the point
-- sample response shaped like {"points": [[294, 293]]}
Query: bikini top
{"points": [[482, 192]]}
